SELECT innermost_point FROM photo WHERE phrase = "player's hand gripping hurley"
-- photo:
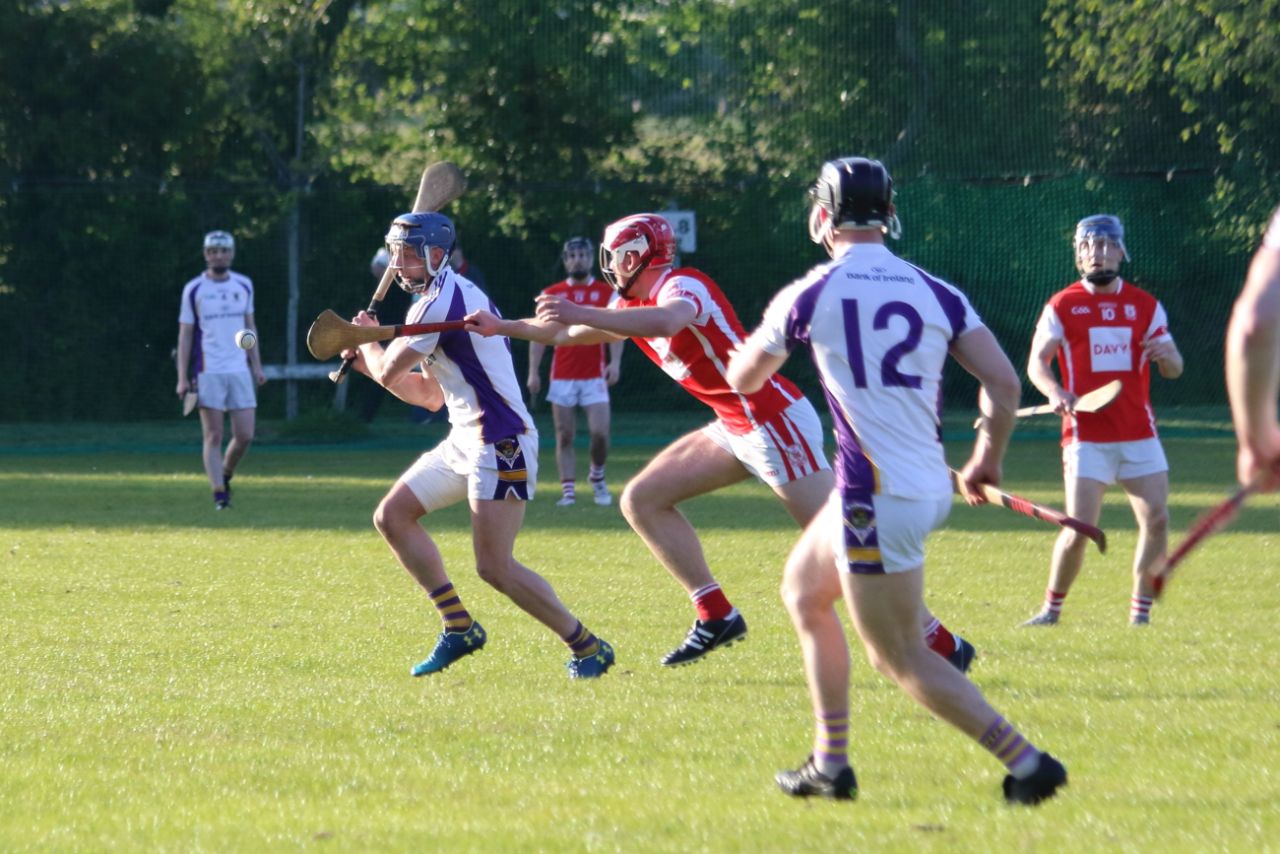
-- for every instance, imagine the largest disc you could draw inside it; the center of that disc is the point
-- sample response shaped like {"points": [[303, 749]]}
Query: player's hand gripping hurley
{"points": [[1035, 511], [329, 335], [440, 184]]}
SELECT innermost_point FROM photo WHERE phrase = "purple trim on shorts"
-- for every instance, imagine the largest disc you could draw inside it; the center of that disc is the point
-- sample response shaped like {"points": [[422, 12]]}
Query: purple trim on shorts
{"points": [[509, 457], [497, 419], [858, 525]]}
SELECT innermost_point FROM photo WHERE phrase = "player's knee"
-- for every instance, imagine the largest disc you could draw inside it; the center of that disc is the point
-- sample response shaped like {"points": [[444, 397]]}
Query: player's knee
{"points": [[635, 502], [494, 571]]}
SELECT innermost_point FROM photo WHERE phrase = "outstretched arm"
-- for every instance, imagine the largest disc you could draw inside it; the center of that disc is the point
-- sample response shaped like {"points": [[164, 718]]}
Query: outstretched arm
{"points": [[548, 333], [751, 365], [657, 321]]}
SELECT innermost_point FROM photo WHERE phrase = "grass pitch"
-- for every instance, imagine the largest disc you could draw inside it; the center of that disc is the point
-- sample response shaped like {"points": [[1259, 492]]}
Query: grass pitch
{"points": [[179, 679]]}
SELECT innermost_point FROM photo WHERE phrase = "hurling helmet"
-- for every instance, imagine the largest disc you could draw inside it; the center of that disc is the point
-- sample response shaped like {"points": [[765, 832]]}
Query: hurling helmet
{"points": [[648, 235], [420, 231]]}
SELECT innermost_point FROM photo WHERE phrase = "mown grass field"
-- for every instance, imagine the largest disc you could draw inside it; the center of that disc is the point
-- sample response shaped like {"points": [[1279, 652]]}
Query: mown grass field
{"points": [[179, 679]]}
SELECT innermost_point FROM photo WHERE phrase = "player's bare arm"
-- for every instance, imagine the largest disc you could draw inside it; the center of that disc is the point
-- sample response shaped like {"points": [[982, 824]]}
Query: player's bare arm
{"points": [[533, 381], [751, 366], [1164, 354], [549, 333], [980, 354], [255, 353], [186, 332], [1253, 365], [1040, 371], [613, 370], [659, 321]]}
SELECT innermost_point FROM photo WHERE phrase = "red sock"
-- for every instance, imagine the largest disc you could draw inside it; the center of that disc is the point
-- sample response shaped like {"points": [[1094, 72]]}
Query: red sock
{"points": [[941, 641], [711, 603]]}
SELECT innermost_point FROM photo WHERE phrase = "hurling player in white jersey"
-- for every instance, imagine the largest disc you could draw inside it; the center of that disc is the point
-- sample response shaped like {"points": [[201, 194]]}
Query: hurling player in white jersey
{"points": [[879, 330], [683, 322], [215, 306], [489, 459], [1253, 363]]}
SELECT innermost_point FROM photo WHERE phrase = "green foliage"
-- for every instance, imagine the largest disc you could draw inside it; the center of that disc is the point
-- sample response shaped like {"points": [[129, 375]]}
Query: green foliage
{"points": [[178, 679]]}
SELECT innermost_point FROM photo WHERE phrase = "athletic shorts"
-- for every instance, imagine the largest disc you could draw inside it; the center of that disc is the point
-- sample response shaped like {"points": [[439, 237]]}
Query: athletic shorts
{"points": [[780, 451], [578, 392], [880, 534], [226, 391], [451, 472], [1112, 461]]}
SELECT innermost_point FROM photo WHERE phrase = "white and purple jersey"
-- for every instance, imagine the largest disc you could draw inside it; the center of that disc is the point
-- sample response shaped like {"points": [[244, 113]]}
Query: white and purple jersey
{"points": [[878, 329], [476, 373], [217, 311]]}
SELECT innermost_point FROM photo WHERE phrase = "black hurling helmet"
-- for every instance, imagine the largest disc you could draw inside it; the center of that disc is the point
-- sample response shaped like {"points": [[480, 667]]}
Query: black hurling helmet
{"points": [[852, 192]]}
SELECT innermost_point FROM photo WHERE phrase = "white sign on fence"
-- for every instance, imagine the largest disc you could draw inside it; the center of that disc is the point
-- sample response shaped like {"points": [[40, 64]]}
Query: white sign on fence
{"points": [[685, 225]]}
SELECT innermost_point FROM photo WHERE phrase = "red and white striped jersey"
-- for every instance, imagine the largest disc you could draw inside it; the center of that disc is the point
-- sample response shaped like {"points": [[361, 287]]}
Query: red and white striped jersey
{"points": [[1100, 338], [697, 356], [580, 361]]}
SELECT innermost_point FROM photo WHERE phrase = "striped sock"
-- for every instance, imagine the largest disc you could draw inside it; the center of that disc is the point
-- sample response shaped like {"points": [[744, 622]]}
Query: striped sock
{"points": [[568, 488], [1140, 609], [831, 744], [449, 605], [938, 639], [581, 642], [1053, 601], [1018, 755], [711, 602], [597, 474]]}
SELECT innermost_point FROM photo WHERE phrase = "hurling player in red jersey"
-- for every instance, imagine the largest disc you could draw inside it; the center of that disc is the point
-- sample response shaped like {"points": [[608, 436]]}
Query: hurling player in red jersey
{"points": [[580, 377], [681, 320], [1103, 328], [1253, 361]]}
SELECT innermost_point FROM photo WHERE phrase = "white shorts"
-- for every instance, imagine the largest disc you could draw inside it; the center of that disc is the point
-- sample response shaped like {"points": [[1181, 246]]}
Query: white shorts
{"points": [[885, 533], [578, 392], [226, 391], [780, 451], [1112, 461], [450, 472]]}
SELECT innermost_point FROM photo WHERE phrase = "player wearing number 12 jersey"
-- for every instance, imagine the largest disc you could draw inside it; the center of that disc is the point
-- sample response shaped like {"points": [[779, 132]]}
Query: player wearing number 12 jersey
{"points": [[683, 322], [879, 330], [1102, 328]]}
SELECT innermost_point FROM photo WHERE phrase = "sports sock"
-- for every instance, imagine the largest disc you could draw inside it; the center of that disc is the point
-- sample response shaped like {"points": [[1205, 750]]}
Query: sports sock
{"points": [[1007, 744], [938, 639], [1140, 609], [226, 479], [831, 744], [1053, 601], [581, 642], [597, 474], [449, 605], [711, 602], [221, 496], [567, 487]]}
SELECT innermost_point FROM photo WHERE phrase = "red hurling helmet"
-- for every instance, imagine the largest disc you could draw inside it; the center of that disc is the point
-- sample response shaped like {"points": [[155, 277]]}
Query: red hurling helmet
{"points": [[648, 235]]}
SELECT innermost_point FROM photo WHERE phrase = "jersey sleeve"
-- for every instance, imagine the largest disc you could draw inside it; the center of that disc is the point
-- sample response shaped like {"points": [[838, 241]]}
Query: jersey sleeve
{"points": [[691, 291], [187, 312], [782, 326], [1158, 330], [1049, 326]]}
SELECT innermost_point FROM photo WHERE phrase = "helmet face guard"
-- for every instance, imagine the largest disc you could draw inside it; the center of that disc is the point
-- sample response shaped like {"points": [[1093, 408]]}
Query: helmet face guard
{"points": [[419, 233], [1098, 232], [649, 236], [219, 240], [577, 257]]}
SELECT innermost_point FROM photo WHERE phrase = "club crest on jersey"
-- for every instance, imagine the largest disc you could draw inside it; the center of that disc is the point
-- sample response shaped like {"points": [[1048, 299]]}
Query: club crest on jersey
{"points": [[796, 457], [507, 450], [1130, 312]]}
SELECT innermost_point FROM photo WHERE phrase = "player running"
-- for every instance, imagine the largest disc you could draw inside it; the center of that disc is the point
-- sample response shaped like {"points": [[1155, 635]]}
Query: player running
{"points": [[1102, 328], [879, 330], [683, 322], [489, 458]]}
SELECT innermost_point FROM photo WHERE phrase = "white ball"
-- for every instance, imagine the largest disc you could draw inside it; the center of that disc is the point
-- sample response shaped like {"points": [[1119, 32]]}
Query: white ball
{"points": [[246, 340]]}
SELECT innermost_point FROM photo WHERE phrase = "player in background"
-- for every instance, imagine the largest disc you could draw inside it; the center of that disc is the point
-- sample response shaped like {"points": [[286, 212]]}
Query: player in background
{"points": [[1102, 328], [489, 458], [1253, 361], [683, 322], [879, 330], [580, 377], [215, 306]]}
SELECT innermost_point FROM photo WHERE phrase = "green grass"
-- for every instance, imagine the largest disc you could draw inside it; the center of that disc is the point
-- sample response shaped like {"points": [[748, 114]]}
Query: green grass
{"points": [[177, 679]]}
